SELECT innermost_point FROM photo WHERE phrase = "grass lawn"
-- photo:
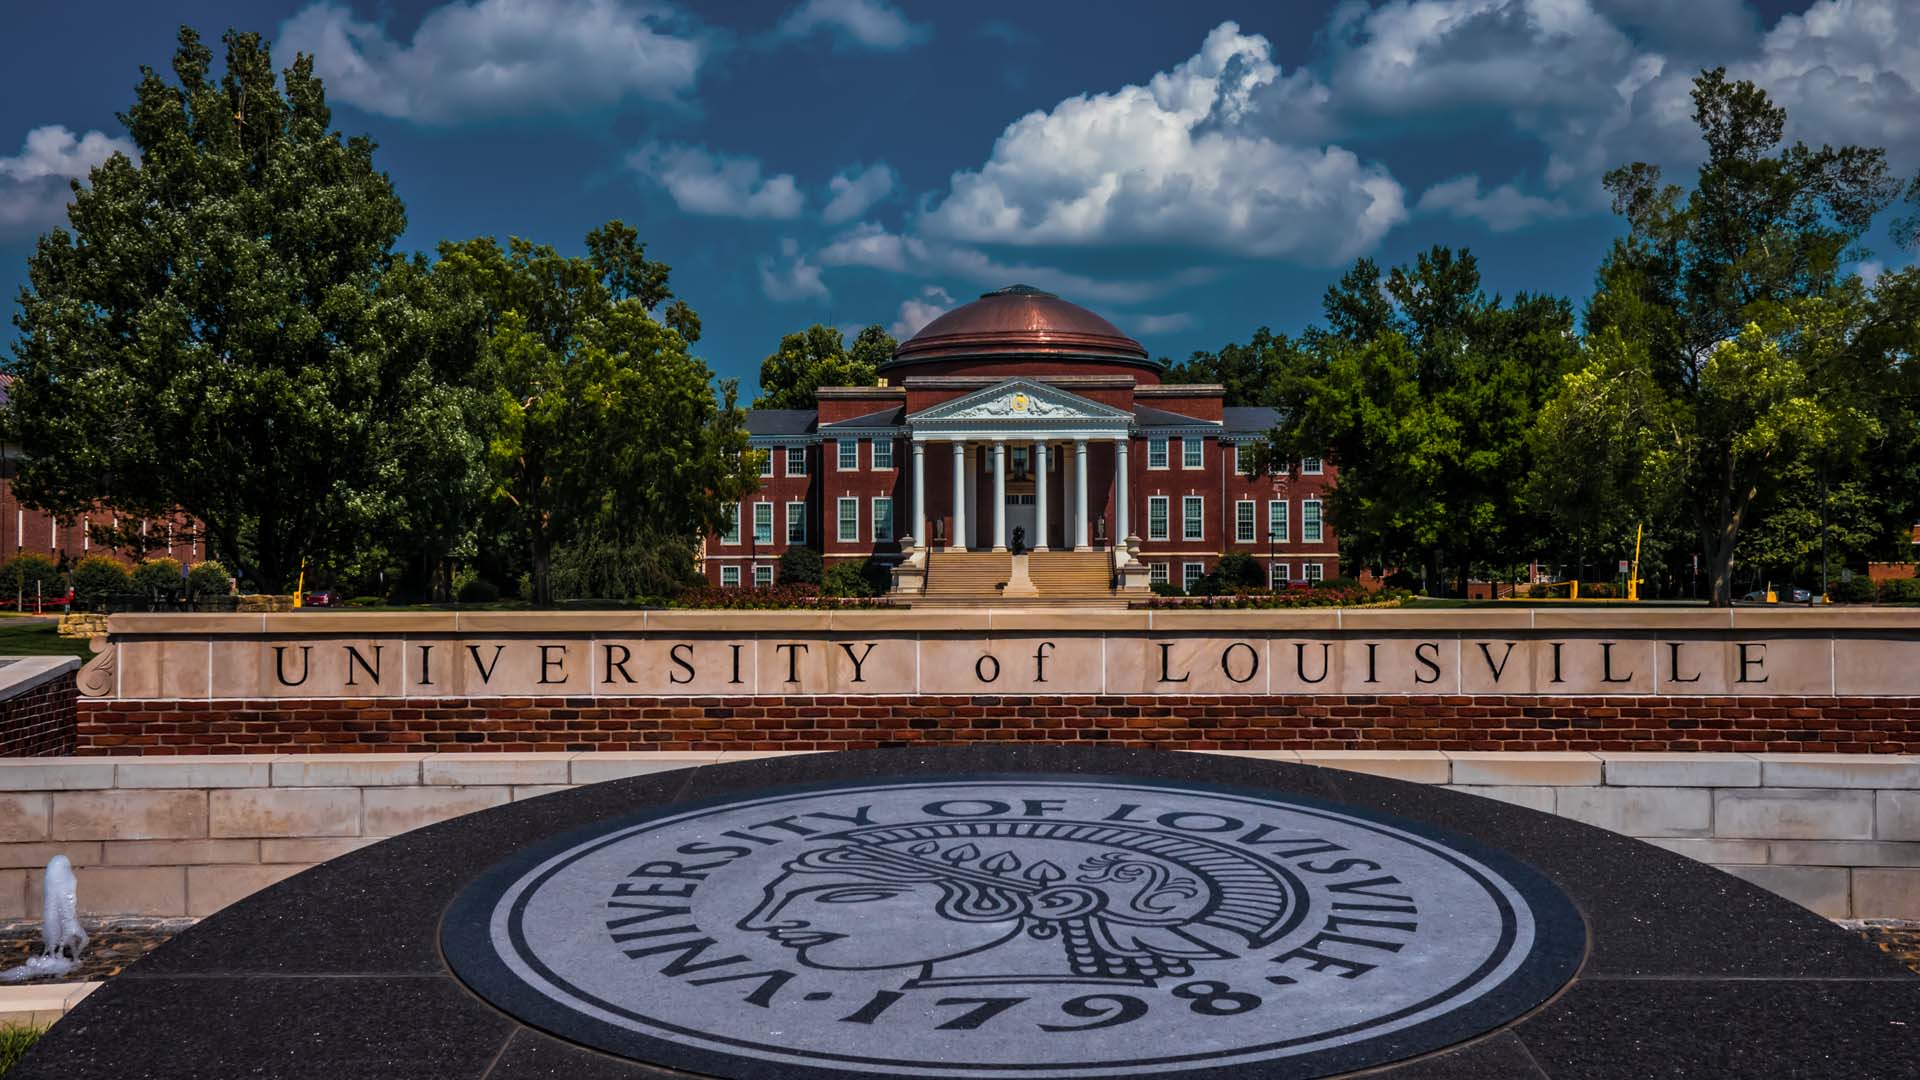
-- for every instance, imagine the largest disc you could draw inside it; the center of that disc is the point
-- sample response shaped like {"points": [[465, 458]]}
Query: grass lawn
{"points": [[23, 636]]}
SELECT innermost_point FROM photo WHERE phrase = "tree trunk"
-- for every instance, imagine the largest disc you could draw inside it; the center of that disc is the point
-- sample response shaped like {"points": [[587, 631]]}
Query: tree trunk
{"points": [[542, 569]]}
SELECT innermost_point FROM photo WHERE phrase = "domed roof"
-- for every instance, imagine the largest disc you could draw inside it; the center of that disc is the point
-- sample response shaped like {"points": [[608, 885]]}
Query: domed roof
{"points": [[1019, 321]]}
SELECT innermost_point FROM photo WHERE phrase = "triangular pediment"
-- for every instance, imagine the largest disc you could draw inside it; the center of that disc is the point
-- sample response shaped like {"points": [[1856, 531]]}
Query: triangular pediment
{"points": [[1022, 403]]}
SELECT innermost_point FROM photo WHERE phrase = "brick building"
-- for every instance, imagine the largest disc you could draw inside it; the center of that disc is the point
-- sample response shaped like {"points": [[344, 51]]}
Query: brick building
{"points": [[23, 529], [1060, 439]]}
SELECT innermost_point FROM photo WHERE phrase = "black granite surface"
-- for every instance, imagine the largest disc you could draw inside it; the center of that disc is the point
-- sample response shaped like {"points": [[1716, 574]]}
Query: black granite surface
{"points": [[337, 973]]}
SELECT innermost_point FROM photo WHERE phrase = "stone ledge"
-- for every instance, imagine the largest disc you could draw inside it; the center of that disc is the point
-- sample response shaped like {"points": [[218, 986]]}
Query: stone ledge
{"points": [[37, 1005], [28, 673]]}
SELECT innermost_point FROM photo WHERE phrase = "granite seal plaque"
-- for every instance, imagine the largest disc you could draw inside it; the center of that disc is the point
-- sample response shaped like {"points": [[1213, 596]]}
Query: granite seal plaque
{"points": [[1017, 926]]}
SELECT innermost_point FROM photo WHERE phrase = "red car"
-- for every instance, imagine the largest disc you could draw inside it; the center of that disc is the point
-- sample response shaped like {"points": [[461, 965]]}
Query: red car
{"points": [[317, 599]]}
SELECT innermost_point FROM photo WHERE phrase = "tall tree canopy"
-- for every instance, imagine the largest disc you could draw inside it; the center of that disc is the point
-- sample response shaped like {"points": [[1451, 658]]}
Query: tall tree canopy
{"points": [[1423, 389], [602, 423], [1731, 302], [214, 334], [1250, 373], [819, 356]]}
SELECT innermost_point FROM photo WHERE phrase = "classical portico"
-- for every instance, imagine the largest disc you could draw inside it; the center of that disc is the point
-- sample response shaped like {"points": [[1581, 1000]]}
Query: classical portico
{"points": [[1025, 437]]}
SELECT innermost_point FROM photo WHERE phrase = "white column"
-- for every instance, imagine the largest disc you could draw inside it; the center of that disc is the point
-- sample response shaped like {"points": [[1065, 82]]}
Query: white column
{"points": [[1120, 532], [958, 541], [1080, 542], [973, 496], [919, 494], [999, 495], [1040, 496]]}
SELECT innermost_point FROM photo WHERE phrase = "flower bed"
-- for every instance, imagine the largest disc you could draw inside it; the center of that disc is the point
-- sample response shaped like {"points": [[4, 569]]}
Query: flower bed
{"points": [[767, 597], [1298, 596]]}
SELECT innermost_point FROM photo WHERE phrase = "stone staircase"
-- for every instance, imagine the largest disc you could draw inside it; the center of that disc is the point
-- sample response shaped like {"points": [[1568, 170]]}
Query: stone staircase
{"points": [[978, 578], [1071, 575]]}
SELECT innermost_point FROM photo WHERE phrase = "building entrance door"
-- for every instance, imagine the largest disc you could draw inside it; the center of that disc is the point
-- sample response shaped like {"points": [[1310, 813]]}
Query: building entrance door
{"points": [[1020, 515]]}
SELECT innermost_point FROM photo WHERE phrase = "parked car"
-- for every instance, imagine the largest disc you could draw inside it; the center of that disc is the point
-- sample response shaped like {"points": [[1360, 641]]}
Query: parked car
{"points": [[318, 599], [1792, 594]]}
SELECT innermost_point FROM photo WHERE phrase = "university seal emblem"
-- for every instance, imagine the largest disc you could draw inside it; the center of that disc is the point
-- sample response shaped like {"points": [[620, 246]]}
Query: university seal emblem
{"points": [[1013, 927]]}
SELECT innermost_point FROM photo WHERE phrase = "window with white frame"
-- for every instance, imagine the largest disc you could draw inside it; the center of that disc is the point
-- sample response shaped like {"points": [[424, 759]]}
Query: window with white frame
{"points": [[729, 577], [1190, 573], [1311, 572], [1310, 520], [763, 523], [1156, 517], [1157, 453], [731, 534], [883, 453], [882, 519], [796, 523], [766, 462], [1193, 518], [849, 455], [796, 461], [1279, 576], [1157, 573], [1244, 522], [1311, 466], [1239, 462], [1193, 452], [1277, 521], [763, 575], [849, 520]]}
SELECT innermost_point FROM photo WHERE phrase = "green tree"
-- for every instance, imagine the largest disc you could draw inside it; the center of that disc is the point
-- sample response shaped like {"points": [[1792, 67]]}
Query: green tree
{"points": [[1733, 292], [602, 424], [1423, 390], [1250, 373], [213, 335], [818, 356]]}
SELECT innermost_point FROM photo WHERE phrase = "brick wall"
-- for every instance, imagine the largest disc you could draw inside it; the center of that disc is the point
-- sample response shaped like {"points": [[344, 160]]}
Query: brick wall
{"points": [[39, 721], [1740, 724]]}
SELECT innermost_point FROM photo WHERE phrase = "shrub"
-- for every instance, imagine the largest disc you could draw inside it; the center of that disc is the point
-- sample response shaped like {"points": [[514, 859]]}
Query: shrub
{"points": [[1539, 590], [1900, 591], [1237, 571], [96, 578], [1596, 590], [867, 577], [478, 591], [603, 567], [1402, 580], [1206, 585], [209, 579], [800, 566], [366, 601], [15, 1041], [767, 597], [158, 577], [1166, 588], [1338, 583], [1855, 590], [21, 575]]}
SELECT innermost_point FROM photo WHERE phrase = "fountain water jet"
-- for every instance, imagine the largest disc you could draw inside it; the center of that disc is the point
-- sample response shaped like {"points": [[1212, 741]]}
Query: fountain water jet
{"points": [[61, 935]]}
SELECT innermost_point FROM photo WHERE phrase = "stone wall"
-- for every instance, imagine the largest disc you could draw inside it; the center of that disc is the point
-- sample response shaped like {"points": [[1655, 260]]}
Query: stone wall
{"points": [[1828, 724], [187, 836], [37, 698]]}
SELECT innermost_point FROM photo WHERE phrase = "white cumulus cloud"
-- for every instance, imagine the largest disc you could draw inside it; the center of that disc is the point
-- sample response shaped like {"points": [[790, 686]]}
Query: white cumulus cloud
{"points": [[478, 59], [1149, 325], [919, 310], [872, 24], [34, 183], [854, 193], [792, 276], [1175, 162], [1503, 209], [872, 245], [702, 182]]}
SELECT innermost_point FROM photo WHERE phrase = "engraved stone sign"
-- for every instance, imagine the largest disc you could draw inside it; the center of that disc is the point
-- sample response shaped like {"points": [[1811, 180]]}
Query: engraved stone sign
{"points": [[1013, 927]]}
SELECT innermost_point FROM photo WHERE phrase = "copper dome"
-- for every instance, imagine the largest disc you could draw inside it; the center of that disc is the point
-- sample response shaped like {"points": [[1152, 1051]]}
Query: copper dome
{"points": [[1020, 322]]}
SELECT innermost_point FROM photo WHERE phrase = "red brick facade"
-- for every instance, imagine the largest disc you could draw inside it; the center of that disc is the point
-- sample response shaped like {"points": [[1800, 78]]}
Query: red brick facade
{"points": [[40, 722], [1741, 724]]}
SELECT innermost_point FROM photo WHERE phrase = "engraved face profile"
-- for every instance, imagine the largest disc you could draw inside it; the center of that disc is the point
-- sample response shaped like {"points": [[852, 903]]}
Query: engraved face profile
{"points": [[1017, 901]]}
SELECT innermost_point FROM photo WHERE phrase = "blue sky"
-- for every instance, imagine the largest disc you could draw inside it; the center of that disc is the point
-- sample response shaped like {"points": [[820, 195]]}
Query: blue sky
{"points": [[1191, 170]]}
